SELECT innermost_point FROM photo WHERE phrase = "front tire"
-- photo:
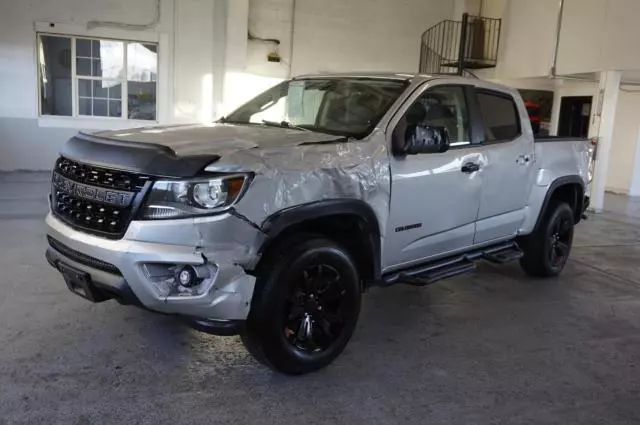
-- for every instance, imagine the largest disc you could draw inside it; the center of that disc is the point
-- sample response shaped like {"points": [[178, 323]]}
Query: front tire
{"points": [[547, 249], [305, 307]]}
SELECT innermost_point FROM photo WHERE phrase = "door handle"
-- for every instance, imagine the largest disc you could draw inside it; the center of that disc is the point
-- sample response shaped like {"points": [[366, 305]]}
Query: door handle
{"points": [[523, 159], [470, 167]]}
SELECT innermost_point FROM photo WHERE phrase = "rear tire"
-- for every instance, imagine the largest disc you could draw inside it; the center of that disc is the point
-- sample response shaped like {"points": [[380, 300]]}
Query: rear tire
{"points": [[305, 306], [547, 249]]}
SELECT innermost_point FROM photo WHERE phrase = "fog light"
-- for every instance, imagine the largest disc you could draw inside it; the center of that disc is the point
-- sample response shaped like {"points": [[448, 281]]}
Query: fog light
{"points": [[187, 276], [180, 279]]}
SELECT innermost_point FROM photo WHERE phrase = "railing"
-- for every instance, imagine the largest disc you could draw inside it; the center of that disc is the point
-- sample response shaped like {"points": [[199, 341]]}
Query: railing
{"points": [[453, 46]]}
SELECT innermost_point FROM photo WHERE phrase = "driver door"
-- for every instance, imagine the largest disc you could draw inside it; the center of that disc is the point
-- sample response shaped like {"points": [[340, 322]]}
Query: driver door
{"points": [[435, 197]]}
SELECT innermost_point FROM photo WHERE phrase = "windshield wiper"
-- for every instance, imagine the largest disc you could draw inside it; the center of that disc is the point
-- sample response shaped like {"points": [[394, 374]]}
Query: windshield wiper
{"points": [[283, 124]]}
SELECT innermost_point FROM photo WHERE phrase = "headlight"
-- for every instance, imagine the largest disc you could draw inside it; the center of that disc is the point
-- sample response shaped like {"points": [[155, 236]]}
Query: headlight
{"points": [[189, 198]]}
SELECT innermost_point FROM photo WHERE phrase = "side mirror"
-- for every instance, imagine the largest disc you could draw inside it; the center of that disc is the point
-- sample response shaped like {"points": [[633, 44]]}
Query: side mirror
{"points": [[419, 139]]}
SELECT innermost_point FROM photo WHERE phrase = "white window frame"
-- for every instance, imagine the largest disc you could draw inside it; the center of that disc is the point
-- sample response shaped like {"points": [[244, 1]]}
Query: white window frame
{"points": [[164, 96], [124, 99]]}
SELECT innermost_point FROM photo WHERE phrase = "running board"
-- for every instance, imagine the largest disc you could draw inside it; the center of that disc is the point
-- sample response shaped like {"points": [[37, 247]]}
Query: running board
{"points": [[437, 274], [429, 273], [507, 255]]}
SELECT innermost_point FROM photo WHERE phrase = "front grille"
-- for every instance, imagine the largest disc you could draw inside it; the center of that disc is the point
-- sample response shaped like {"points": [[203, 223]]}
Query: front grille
{"points": [[95, 199], [90, 215], [81, 258], [96, 176]]}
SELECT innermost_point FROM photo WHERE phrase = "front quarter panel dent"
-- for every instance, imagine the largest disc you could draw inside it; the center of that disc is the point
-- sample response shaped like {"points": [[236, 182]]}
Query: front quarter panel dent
{"points": [[286, 178]]}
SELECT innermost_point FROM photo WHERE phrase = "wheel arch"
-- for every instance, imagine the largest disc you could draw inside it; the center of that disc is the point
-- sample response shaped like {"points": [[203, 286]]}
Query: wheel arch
{"points": [[569, 189], [336, 219]]}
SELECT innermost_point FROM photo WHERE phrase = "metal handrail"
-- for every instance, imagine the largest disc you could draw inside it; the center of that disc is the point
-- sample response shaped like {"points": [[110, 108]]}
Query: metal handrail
{"points": [[456, 45]]}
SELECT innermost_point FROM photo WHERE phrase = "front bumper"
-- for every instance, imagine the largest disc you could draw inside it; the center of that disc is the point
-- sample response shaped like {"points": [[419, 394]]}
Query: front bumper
{"points": [[119, 271]]}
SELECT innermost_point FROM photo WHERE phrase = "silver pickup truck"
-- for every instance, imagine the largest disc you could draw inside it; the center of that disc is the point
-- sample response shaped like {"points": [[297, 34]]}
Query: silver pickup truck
{"points": [[273, 221]]}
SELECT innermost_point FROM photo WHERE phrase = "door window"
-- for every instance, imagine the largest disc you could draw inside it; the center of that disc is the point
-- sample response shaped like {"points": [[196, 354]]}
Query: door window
{"points": [[500, 116], [439, 107]]}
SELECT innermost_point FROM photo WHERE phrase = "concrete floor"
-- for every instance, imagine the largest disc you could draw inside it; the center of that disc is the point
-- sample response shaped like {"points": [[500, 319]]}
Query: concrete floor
{"points": [[492, 347]]}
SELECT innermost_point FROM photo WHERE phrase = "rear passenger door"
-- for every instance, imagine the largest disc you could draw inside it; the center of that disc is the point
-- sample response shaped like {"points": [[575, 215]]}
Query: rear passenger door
{"points": [[507, 176]]}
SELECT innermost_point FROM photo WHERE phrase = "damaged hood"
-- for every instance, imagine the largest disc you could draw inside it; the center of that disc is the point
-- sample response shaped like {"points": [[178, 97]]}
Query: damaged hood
{"points": [[182, 150], [218, 139]]}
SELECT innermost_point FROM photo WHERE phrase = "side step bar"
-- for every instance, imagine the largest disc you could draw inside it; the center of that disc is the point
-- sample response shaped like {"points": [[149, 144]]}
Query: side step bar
{"points": [[429, 273]]}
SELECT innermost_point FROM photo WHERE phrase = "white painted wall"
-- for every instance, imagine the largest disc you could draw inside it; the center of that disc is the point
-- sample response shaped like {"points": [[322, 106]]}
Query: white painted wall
{"points": [[493, 8], [18, 72], [540, 83], [599, 35], [207, 66], [193, 61], [527, 37], [337, 35], [269, 19], [596, 35], [200, 54], [625, 135], [625, 141]]}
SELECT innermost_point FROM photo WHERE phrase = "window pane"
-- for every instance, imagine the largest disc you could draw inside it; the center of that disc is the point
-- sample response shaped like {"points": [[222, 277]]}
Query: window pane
{"points": [[54, 57], [142, 74], [142, 62], [440, 107], [95, 48], [446, 107], [96, 69], [84, 88], [83, 48], [105, 89], [115, 91], [500, 115], [142, 100], [100, 108], [107, 58], [115, 108], [111, 59], [100, 89], [83, 67], [84, 106]]}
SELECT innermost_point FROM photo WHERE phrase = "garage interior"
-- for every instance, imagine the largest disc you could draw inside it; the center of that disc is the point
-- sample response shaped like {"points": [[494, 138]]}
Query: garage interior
{"points": [[490, 347]]}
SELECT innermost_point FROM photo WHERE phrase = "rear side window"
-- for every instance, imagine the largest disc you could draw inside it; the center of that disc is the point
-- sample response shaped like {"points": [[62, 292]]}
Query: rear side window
{"points": [[500, 116]]}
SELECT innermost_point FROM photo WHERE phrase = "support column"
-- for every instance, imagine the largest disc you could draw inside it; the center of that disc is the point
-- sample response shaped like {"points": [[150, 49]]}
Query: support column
{"points": [[236, 53], [555, 109], [604, 120], [472, 7], [634, 185]]}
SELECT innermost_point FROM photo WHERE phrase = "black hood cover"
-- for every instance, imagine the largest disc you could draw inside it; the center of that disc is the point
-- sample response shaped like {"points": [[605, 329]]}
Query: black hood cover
{"points": [[181, 150]]}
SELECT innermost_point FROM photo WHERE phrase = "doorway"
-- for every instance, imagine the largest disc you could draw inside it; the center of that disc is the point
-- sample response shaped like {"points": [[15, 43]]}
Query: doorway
{"points": [[575, 112]]}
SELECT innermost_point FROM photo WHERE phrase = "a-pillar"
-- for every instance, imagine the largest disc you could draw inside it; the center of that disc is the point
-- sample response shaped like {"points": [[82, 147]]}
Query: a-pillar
{"points": [[604, 120]]}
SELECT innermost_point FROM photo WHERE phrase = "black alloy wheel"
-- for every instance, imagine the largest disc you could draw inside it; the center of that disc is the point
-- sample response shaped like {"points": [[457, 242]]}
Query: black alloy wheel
{"points": [[547, 249], [305, 306], [314, 316], [560, 240]]}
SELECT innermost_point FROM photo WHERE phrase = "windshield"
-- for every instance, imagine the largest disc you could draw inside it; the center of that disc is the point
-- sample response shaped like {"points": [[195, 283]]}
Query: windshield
{"points": [[342, 106]]}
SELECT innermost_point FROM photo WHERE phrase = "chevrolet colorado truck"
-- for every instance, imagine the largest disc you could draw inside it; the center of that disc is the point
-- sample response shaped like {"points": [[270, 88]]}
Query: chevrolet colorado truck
{"points": [[271, 222]]}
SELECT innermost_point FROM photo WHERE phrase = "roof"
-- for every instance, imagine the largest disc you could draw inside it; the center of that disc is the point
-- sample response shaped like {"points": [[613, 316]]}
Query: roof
{"points": [[382, 75], [413, 77]]}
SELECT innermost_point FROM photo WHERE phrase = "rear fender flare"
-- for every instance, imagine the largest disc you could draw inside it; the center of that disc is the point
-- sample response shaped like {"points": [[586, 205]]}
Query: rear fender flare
{"points": [[561, 181]]}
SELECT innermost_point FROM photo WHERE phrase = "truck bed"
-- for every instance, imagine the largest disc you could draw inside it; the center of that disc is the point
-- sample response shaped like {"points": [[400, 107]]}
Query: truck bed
{"points": [[569, 156], [547, 139]]}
